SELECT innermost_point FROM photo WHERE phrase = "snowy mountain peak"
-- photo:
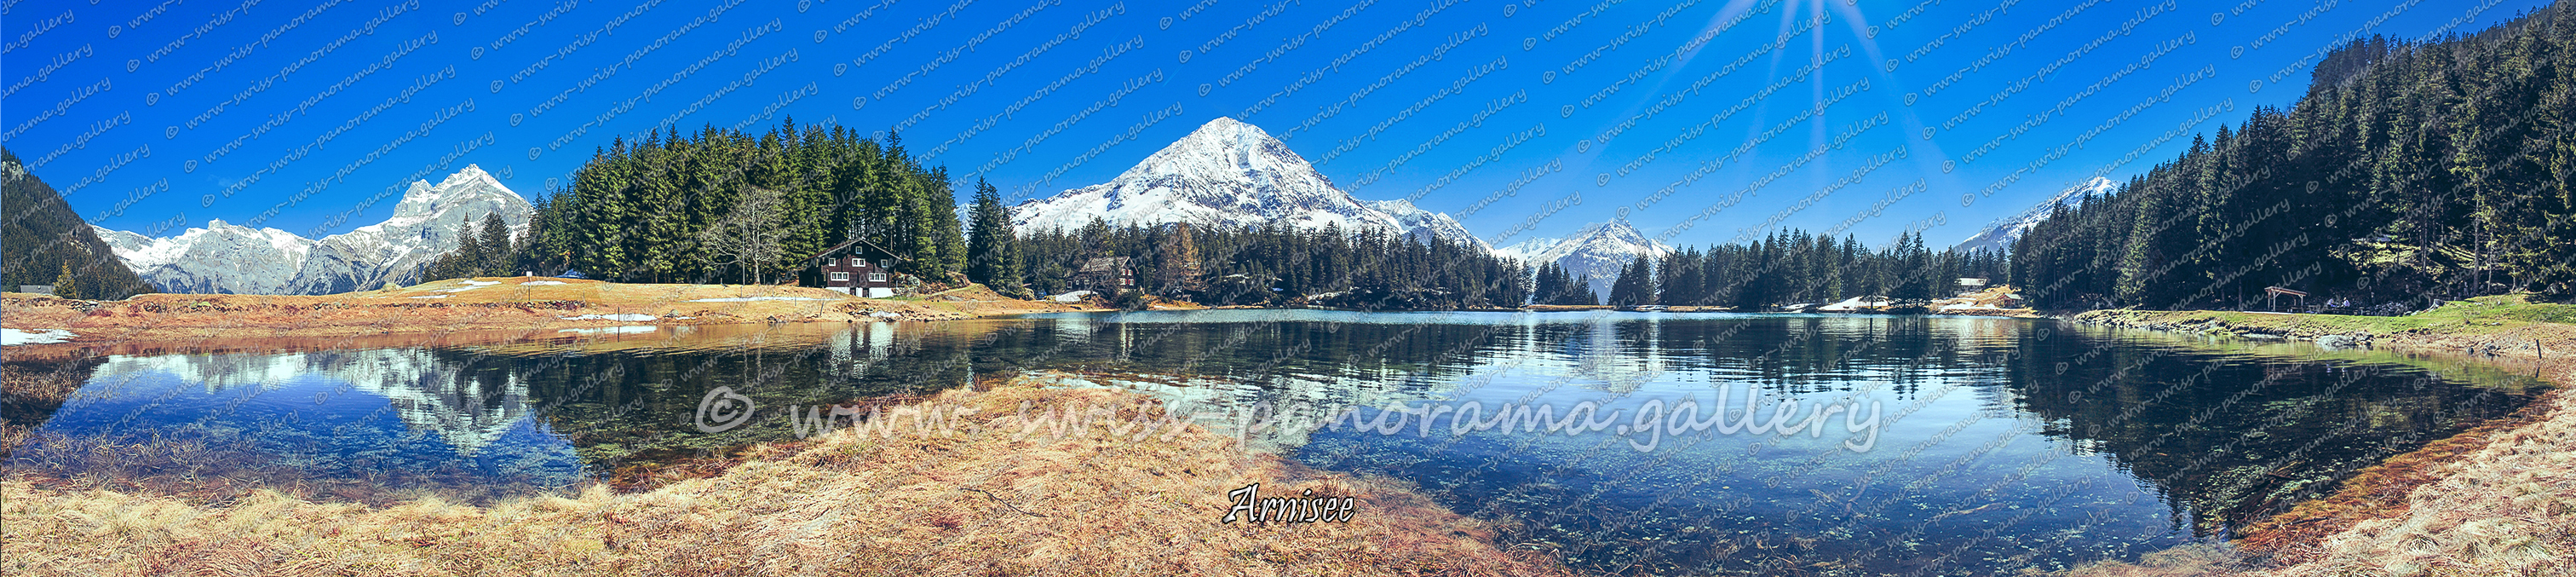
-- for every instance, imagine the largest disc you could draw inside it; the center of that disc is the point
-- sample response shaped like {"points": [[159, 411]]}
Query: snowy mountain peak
{"points": [[2000, 235], [1226, 173], [229, 258], [465, 187], [1598, 251]]}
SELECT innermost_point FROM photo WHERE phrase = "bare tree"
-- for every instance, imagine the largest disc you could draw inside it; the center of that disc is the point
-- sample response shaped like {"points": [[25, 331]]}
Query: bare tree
{"points": [[754, 233]]}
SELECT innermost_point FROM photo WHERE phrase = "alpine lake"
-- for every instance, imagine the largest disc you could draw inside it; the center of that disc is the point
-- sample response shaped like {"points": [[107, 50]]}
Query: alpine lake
{"points": [[1873, 445]]}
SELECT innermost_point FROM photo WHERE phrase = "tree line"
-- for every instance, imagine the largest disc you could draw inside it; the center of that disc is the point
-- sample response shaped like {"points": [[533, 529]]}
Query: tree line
{"points": [[1787, 267], [1273, 264], [2408, 174]]}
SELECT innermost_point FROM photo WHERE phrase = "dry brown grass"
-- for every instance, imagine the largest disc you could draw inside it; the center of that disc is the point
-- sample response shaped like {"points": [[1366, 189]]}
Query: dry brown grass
{"points": [[981, 501], [2498, 499], [441, 307], [2508, 508]]}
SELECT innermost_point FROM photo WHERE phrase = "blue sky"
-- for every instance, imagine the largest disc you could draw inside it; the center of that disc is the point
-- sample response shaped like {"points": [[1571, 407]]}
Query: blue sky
{"points": [[1698, 122]]}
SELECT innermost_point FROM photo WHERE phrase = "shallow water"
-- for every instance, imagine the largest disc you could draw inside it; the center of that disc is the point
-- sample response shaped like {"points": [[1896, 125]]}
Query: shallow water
{"points": [[1923, 445]]}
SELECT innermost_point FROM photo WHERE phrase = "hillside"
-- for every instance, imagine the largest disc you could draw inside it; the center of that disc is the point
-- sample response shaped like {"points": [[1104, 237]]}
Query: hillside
{"points": [[41, 234], [2409, 174]]}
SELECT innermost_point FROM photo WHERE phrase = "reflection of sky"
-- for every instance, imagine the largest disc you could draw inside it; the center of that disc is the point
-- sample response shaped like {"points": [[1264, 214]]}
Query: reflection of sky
{"points": [[356, 413], [1953, 458]]}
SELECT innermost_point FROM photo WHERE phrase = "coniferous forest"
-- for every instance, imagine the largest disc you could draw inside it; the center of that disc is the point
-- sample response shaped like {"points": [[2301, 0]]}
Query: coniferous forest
{"points": [[1274, 265], [2407, 175], [724, 206], [1793, 267]]}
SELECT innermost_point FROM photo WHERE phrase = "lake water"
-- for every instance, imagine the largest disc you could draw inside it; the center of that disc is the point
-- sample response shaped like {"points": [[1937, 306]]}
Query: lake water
{"points": [[1915, 445]]}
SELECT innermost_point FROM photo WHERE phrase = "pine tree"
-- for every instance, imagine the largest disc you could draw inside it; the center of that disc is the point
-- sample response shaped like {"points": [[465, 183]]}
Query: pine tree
{"points": [[496, 247], [1635, 284], [988, 249]]}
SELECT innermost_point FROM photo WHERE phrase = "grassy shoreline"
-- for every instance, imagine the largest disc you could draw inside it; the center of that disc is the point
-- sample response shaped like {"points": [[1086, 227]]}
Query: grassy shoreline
{"points": [[2498, 499], [522, 305], [979, 495]]}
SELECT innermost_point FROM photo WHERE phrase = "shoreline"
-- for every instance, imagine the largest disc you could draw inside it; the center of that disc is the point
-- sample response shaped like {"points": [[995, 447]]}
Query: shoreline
{"points": [[2497, 498], [498, 305], [2377, 517], [978, 495]]}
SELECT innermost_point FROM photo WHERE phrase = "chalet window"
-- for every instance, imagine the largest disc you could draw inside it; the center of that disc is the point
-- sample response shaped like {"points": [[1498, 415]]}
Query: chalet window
{"points": [[831, 262], [858, 262], [841, 276], [876, 277]]}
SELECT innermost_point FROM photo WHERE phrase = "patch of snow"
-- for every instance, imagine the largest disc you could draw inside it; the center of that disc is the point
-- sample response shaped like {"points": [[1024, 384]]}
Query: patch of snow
{"points": [[542, 283], [39, 337], [432, 297], [749, 299], [613, 330], [1073, 297], [459, 290], [628, 317]]}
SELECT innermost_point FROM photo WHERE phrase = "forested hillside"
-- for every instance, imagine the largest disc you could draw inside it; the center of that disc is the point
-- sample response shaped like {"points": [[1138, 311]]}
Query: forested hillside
{"points": [[2407, 175], [42, 242]]}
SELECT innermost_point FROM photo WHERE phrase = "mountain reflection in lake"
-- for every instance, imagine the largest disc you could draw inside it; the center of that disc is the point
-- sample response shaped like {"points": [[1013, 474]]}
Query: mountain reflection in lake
{"points": [[1999, 443]]}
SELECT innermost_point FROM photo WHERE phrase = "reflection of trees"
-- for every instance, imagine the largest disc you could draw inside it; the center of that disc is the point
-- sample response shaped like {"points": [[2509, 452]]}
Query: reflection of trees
{"points": [[31, 389], [2237, 438]]}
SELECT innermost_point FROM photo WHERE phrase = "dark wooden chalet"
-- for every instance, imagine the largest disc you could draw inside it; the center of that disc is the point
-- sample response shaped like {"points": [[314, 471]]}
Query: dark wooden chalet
{"points": [[1109, 275], [856, 267]]}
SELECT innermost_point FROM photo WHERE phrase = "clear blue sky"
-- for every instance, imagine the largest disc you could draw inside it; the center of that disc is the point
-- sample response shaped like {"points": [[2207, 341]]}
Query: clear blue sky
{"points": [[1703, 119]]}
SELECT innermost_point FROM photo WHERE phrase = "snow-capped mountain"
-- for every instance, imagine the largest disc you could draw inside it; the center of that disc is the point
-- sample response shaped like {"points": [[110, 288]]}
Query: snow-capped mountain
{"points": [[2000, 235], [1228, 173], [1426, 225], [230, 258], [1599, 251]]}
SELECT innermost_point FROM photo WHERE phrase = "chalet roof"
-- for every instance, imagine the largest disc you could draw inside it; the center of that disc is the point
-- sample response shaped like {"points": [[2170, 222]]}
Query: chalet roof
{"points": [[845, 245], [1104, 264]]}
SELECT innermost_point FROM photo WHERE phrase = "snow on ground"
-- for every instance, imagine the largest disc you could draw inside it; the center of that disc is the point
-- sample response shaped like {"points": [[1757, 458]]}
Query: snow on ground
{"points": [[749, 299], [541, 283], [459, 290], [628, 317], [1073, 297], [612, 330], [432, 297], [39, 337]]}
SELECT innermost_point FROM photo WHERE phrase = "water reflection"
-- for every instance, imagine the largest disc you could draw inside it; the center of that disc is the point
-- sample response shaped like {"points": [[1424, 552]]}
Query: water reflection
{"points": [[1993, 443]]}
